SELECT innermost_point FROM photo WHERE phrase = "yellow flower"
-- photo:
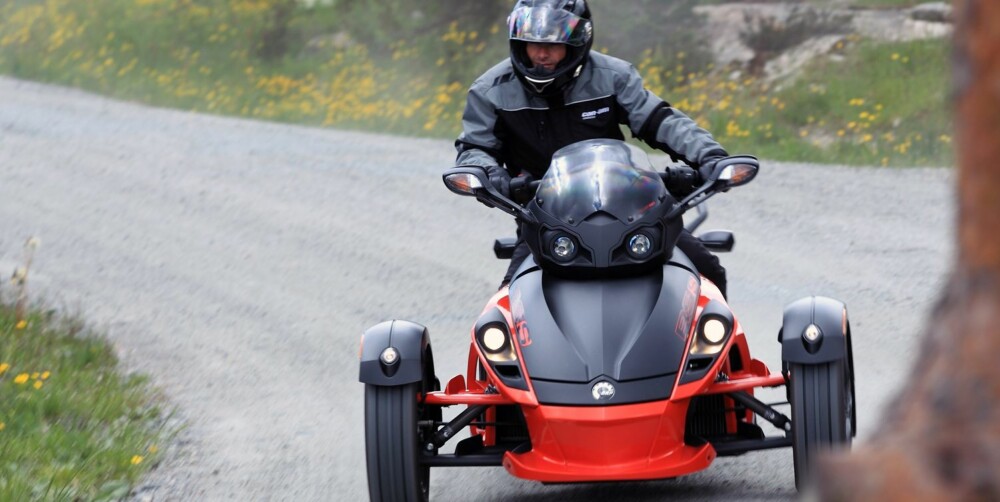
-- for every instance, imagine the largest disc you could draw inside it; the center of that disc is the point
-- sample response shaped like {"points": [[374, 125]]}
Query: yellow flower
{"points": [[944, 139], [3, 368], [37, 384], [153, 448], [45, 375], [895, 56], [2, 426], [21, 324], [841, 133], [137, 459], [21, 379]]}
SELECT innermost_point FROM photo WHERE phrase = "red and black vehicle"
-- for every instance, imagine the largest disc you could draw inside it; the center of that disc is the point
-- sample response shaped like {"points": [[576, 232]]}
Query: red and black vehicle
{"points": [[608, 357]]}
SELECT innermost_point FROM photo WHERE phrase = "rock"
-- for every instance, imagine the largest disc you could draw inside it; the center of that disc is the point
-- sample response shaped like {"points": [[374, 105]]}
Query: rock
{"points": [[336, 41], [743, 34], [896, 26], [934, 12], [791, 61]]}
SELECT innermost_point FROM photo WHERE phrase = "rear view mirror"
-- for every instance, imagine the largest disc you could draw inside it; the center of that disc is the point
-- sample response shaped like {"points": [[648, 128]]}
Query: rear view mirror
{"points": [[464, 180], [736, 171], [472, 180]]}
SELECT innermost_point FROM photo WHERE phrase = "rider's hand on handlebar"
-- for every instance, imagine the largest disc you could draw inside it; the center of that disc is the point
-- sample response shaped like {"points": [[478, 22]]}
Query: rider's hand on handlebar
{"points": [[500, 179]]}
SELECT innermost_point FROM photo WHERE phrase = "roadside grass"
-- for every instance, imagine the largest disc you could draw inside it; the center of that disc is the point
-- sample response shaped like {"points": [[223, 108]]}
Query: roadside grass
{"points": [[876, 105], [72, 427]]}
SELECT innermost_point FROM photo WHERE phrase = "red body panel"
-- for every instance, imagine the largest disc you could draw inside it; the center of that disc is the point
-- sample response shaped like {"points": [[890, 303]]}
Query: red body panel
{"points": [[637, 441], [606, 443]]}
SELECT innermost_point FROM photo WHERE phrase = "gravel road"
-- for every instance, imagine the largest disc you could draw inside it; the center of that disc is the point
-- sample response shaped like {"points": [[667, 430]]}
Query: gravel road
{"points": [[238, 262]]}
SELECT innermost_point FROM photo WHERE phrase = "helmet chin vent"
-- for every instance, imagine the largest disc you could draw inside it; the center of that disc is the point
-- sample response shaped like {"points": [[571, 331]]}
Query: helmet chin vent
{"points": [[538, 85]]}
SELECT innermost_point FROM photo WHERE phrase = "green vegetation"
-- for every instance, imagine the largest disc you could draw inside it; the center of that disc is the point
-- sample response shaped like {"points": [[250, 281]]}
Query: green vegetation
{"points": [[882, 104], [71, 426], [403, 66]]}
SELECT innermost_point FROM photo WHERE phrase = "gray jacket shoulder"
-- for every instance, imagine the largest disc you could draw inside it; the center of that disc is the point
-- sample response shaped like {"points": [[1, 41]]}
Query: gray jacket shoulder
{"points": [[501, 87]]}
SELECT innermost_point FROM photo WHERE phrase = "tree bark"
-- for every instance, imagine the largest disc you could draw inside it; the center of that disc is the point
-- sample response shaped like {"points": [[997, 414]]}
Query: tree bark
{"points": [[940, 439]]}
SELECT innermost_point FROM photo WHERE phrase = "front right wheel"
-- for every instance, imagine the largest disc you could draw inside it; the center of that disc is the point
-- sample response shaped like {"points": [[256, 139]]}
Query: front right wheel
{"points": [[395, 473], [822, 399]]}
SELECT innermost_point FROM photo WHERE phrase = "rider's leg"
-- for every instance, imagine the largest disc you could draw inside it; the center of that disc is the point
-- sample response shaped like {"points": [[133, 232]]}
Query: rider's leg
{"points": [[521, 251], [706, 262]]}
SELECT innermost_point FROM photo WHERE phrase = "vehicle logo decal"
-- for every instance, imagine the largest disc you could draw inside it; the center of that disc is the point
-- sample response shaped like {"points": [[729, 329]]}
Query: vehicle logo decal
{"points": [[593, 114], [523, 335], [686, 315], [603, 391], [517, 316]]}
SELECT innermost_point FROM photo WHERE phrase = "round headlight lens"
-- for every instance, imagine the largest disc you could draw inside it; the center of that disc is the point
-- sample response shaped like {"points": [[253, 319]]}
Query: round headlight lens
{"points": [[494, 339], [714, 331], [564, 248], [639, 246]]}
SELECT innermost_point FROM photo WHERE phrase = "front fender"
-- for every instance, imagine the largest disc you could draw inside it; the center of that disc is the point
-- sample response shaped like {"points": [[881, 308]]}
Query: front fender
{"points": [[827, 314], [411, 341]]}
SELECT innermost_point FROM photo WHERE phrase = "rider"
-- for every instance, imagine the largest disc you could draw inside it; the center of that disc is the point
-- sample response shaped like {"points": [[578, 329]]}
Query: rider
{"points": [[552, 92]]}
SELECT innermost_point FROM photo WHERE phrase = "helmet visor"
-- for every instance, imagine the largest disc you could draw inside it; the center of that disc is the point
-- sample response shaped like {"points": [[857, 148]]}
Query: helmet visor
{"points": [[548, 26]]}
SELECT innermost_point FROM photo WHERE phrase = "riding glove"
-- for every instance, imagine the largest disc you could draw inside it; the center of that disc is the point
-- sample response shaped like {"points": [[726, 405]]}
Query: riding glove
{"points": [[500, 179]]}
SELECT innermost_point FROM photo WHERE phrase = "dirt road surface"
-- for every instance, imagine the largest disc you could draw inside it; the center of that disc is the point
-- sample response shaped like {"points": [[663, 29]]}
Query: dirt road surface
{"points": [[238, 262]]}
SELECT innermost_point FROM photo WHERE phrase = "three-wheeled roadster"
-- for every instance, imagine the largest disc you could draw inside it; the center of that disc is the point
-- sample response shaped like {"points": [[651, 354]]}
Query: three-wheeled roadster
{"points": [[608, 357]]}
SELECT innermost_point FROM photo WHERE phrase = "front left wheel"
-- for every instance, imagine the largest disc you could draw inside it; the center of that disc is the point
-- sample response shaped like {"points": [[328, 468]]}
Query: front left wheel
{"points": [[395, 473], [822, 397]]}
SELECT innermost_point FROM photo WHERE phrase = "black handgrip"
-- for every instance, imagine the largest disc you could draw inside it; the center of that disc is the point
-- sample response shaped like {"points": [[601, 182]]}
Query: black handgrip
{"points": [[681, 180], [522, 188]]}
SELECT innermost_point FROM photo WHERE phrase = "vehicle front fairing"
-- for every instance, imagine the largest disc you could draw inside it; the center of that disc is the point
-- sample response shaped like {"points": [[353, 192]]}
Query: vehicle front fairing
{"points": [[598, 310], [599, 202]]}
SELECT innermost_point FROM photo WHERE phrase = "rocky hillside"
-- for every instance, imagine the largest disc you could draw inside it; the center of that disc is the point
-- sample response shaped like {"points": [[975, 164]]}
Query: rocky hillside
{"points": [[777, 39]]}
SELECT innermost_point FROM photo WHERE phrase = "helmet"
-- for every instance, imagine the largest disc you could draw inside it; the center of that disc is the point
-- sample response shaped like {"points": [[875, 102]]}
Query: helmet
{"points": [[564, 22]]}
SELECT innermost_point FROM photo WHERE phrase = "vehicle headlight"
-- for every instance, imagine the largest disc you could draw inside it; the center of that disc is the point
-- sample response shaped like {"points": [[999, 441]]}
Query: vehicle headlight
{"points": [[495, 342], [714, 328], [639, 246], [563, 248], [713, 331], [494, 339]]}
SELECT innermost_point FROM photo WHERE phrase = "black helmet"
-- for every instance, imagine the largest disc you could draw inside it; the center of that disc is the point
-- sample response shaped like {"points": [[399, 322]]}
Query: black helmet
{"points": [[564, 22]]}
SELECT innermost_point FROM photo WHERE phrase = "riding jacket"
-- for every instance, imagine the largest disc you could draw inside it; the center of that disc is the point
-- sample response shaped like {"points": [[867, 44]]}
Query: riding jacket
{"points": [[503, 124]]}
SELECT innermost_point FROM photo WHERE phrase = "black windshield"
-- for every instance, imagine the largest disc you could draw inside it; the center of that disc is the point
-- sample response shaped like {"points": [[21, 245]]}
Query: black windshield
{"points": [[600, 175]]}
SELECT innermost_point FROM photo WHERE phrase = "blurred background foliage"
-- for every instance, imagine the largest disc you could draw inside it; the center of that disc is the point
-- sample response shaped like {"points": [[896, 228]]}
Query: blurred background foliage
{"points": [[403, 66]]}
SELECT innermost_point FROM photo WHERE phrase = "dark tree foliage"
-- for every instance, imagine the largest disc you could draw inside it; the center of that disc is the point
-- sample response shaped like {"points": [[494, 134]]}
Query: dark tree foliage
{"points": [[274, 39]]}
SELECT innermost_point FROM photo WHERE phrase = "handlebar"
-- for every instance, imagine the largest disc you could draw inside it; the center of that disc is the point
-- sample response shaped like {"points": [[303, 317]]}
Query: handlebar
{"points": [[524, 181], [681, 180], [522, 188]]}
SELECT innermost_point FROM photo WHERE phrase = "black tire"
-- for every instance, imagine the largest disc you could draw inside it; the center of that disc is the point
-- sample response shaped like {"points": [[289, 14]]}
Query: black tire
{"points": [[822, 400], [395, 473]]}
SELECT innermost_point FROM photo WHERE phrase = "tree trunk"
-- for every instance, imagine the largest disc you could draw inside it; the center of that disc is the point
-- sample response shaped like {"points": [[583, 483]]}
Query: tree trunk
{"points": [[940, 439]]}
